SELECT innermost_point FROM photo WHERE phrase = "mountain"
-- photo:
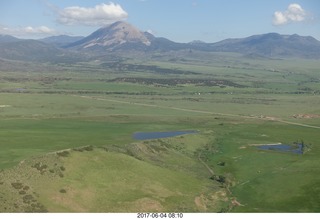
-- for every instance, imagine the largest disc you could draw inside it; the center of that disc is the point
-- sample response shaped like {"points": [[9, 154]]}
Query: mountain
{"points": [[161, 44], [34, 50], [123, 39], [62, 40], [8, 39], [115, 36], [271, 45], [121, 36]]}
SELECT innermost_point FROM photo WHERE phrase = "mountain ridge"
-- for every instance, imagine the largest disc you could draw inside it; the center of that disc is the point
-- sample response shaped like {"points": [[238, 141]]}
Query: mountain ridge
{"points": [[115, 38], [37, 51], [122, 37], [8, 39], [61, 40]]}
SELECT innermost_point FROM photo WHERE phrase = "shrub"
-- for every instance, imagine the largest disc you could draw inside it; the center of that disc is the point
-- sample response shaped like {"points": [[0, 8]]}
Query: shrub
{"points": [[88, 148], [27, 198], [40, 167], [219, 178], [63, 191], [36, 207], [22, 192], [17, 185], [63, 154]]}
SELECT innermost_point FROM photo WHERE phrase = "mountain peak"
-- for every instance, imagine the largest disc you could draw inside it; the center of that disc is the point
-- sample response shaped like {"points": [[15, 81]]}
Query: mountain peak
{"points": [[112, 36], [124, 32]]}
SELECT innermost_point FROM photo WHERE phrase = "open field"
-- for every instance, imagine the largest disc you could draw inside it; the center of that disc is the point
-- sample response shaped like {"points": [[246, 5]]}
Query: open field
{"points": [[66, 136]]}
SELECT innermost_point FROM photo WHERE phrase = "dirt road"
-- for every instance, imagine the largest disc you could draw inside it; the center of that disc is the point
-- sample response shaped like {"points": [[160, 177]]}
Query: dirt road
{"points": [[202, 111]]}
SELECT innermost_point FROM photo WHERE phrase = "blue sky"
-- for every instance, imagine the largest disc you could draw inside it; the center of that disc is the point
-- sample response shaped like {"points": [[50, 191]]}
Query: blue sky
{"points": [[177, 20]]}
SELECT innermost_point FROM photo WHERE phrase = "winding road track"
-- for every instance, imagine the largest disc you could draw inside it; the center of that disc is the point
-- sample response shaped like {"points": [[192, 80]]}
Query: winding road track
{"points": [[201, 111]]}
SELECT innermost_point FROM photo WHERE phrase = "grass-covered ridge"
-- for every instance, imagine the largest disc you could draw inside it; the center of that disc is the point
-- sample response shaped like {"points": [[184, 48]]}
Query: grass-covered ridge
{"points": [[146, 176]]}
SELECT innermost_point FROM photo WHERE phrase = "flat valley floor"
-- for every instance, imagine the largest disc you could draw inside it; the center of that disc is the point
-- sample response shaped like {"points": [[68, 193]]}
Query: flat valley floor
{"points": [[66, 135]]}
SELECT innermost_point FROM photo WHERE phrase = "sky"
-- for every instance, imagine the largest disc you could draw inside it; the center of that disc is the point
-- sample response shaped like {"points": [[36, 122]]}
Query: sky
{"points": [[177, 20]]}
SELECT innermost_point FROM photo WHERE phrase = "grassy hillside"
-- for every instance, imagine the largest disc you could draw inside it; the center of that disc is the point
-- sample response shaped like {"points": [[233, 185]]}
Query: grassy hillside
{"points": [[146, 176]]}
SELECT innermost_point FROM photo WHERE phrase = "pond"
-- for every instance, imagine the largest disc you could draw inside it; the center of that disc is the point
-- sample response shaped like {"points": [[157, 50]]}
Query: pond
{"points": [[155, 135], [297, 149]]}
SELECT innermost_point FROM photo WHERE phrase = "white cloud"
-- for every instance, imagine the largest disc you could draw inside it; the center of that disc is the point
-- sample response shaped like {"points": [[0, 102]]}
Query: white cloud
{"points": [[38, 30], [99, 15], [294, 13], [27, 31]]}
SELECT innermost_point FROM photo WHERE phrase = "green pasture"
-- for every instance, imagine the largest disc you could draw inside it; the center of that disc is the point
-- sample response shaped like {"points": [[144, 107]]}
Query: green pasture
{"points": [[74, 107], [269, 181]]}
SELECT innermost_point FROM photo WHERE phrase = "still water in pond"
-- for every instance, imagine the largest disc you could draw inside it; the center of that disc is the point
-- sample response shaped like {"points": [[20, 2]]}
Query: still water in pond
{"points": [[297, 149], [155, 135]]}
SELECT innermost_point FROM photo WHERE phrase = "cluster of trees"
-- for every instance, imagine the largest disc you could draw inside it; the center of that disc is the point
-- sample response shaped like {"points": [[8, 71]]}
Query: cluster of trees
{"points": [[122, 67], [177, 81]]}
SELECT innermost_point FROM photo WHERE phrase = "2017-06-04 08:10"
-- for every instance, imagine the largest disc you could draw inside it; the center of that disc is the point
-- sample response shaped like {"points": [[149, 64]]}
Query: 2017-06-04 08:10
{"points": [[160, 215]]}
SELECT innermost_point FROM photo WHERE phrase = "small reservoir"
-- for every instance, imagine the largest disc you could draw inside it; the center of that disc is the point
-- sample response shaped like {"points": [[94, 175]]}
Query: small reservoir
{"points": [[155, 135], [297, 149]]}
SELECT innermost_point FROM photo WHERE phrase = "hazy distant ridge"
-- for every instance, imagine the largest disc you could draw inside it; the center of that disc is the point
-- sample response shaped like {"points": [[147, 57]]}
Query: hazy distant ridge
{"points": [[272, 45], [61, 40], [122, 37]]}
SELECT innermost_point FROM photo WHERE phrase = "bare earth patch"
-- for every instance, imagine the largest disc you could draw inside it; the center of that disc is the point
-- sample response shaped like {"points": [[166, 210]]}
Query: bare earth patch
{"points": [[235, 202], [70, 199], [255, 145], [68, 202], [200, 202], [147, 205], [203, 202], [305, 116]]}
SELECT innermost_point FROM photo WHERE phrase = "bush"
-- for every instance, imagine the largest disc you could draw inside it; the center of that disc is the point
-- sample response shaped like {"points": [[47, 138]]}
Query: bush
{"points": [[219, 178], [88, 148], [27, 198], [36, 207], [17, 185], [78, 149], [63, 191], [63, 154], [40, 167], [85, 148], [22, 192]]}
